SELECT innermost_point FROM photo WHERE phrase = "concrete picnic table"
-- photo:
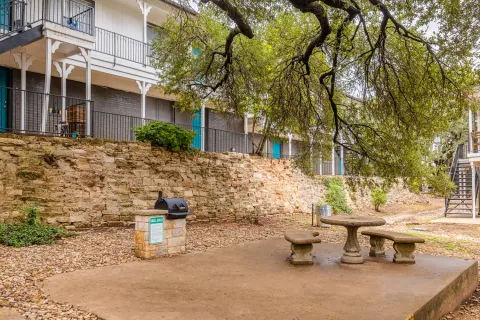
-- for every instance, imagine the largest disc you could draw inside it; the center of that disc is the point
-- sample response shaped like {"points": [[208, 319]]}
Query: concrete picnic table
{"points": [[352, 248]]}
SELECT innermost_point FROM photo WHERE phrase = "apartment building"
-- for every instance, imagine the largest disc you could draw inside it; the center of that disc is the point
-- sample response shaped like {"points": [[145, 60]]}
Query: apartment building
{"points": [[82, 68]]}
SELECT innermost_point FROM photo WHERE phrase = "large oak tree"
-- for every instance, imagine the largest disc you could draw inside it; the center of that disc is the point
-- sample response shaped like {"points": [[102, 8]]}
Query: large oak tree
{"points": [[380, 78]]}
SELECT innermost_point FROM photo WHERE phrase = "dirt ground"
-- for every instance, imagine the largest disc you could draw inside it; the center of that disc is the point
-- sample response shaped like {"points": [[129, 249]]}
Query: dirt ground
{"points": [[22, 270]]}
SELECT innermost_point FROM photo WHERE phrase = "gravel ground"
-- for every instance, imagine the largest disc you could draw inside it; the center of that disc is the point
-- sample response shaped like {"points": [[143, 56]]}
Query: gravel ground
{"points": [[23, 269]]}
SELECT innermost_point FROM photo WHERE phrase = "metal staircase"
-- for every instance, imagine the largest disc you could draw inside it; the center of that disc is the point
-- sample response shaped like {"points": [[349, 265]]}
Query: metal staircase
{"points": [[460, 201]]}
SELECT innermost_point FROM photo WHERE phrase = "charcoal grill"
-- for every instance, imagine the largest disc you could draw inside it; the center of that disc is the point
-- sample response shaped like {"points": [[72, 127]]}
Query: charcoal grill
{"points": [[177, 207]]}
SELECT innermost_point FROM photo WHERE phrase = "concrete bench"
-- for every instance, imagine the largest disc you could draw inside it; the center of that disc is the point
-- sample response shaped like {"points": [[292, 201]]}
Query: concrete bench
{"points": [[404, 244], [302, 245]]}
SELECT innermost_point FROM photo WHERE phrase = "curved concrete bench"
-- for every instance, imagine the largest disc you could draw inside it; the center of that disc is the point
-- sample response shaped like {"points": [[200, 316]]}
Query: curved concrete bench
{"points": [[404, 244], [302, 245]]}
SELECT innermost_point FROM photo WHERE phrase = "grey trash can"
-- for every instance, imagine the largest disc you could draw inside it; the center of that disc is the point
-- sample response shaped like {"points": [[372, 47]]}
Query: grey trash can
{"points": [[323, 211]]}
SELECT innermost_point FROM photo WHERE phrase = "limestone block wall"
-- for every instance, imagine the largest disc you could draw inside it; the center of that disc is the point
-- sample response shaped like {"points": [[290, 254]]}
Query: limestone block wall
{"points": [[91, 182]]}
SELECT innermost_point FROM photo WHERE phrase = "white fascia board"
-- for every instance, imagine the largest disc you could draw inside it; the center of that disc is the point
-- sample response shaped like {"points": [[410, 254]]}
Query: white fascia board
{"points": [[125, 69], [67, 35]]}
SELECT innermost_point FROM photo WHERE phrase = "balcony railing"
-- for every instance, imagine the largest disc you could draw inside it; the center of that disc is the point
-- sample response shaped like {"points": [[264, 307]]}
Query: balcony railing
{"points": [[74, 14], [65, 116], [122, 128], [20, 15], [123, 47]]}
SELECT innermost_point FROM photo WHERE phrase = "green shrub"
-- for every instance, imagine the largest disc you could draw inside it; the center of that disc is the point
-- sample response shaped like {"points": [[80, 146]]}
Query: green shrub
{"points": [[336, 196], [32, 215], [379, 198], [23, 234], [30, 233], [328, 182], [169, 136]]}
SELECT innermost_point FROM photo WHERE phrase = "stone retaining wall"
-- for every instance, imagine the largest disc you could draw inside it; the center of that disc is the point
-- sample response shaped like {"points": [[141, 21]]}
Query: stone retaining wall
{"points": [[90, 182]]}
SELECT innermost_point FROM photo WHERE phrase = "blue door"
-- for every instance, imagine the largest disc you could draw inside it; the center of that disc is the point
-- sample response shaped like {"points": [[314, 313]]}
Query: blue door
{"points": [[3, 99], [276, 150], [197, 127], [4, 15]]}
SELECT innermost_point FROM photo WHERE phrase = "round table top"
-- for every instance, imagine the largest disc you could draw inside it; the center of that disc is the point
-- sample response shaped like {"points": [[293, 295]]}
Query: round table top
{"points": [[353, 221]]}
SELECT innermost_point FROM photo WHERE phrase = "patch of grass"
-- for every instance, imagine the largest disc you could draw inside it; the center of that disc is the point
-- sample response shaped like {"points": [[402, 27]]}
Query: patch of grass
{"points": [[443, 242], [450, 247]]}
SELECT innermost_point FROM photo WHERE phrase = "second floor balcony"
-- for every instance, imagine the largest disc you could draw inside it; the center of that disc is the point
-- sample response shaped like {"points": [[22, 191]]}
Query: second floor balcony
{"points": [[20, 16], [122, 47], [17, 16]]}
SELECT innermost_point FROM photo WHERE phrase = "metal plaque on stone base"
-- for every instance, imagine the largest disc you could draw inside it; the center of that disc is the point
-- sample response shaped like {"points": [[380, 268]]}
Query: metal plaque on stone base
{"points": [[156, 230]]}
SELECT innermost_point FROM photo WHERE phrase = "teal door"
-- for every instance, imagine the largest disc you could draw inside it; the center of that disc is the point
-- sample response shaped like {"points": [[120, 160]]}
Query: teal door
{"points": [[3, 99], [276, 150], [5, 15], [197, 127]]}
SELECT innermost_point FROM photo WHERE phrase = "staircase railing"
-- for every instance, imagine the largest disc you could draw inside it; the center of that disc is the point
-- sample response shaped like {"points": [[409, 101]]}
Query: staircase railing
{"points": [[453, 171], [456, 157], [477, 181]]}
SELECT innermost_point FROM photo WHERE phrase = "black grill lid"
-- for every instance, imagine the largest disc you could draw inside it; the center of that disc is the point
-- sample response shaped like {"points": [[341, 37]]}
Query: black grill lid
{"points": [[177, 207]]}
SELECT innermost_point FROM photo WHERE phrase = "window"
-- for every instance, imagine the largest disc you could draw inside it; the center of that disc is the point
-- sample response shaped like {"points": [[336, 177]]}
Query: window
{"points": [[152, 32]]}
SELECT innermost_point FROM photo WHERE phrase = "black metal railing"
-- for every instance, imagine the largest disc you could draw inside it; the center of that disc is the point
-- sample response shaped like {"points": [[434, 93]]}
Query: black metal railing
{"points": [[17, 15], [74, 14], [38, 113], [120, 46], [456, 156], [115, 126], [277, 156], [32, 112], [20, 15], [122, 128]]}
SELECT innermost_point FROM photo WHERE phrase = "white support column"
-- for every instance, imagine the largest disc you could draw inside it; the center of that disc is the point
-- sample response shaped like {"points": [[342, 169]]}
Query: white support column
{"points": [[46, 88], [64, 72], [477, 121], [87, 55], [24, 62], [202, 113], [144, 87], [310, 149], [470, 130], [474, 196], [290, 136], [342, 160], [333, 160], [145, 8], [245, 131]]}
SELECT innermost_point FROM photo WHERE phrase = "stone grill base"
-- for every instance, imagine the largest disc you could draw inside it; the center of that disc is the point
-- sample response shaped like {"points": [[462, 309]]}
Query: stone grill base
{"points": [[174, 235]]}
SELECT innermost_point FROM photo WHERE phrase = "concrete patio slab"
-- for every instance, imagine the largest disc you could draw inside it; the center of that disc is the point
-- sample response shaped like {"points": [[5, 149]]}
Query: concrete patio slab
{"points": [[10, 314], [254, 281], [460, 219]]}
